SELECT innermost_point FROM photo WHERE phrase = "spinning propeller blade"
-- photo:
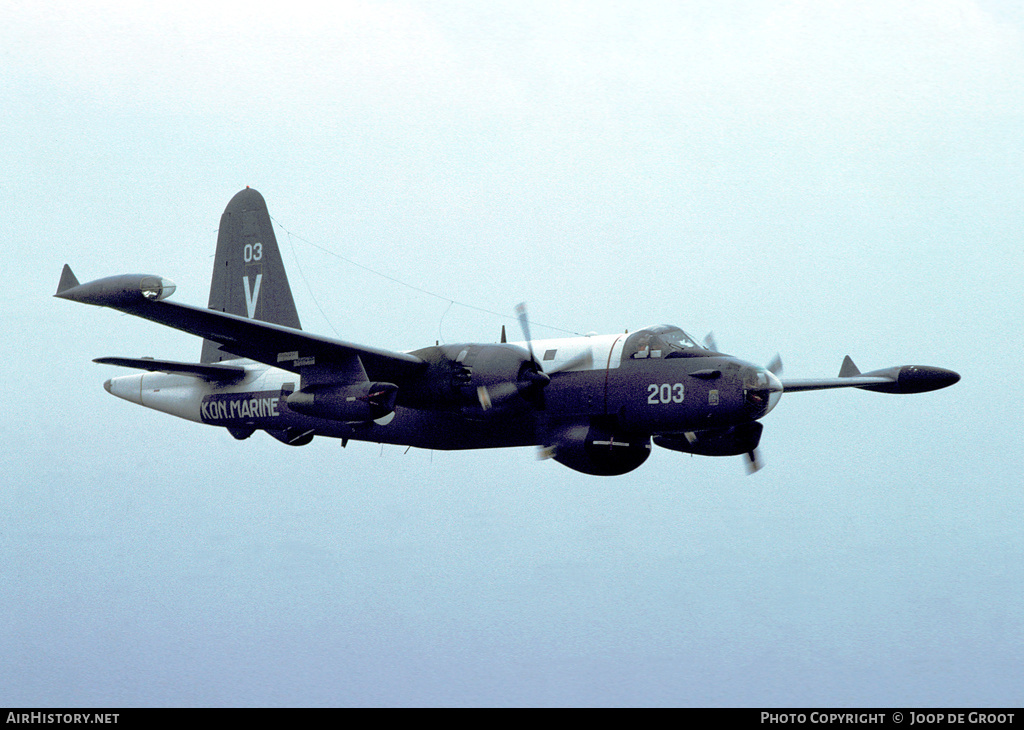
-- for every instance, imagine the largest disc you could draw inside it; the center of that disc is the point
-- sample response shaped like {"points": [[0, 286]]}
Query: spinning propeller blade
{"points": [[583, 360], [754, 462], [524, 322], [533, 378]]}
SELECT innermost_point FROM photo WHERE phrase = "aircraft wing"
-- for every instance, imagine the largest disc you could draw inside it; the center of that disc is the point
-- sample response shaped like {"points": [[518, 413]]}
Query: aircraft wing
{"points": [[796, 385], [276, 345], [900, 379], [273, 344]]}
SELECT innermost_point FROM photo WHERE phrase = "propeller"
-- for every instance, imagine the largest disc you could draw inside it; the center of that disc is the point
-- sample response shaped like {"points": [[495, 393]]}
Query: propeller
{"points": [[774, 367], [754, 461], [530, 379], [524, 324], [584, 360]]}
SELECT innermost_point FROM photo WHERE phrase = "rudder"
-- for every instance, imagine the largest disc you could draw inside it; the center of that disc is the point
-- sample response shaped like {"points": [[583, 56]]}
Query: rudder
{"points": [[249, 279]]}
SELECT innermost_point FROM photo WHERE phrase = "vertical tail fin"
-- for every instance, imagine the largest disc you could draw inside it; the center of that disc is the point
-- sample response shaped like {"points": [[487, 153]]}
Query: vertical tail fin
{"points": [[248, 274]]}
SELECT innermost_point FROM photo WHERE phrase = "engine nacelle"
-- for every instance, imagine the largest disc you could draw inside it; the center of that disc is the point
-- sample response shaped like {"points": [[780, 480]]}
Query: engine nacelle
{"points": [[601, 452], [364, 401], [731, 441], [475, 378]]}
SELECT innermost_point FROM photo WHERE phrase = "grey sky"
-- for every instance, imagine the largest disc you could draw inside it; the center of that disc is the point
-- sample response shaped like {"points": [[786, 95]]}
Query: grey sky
{"points": [[815, 179]]}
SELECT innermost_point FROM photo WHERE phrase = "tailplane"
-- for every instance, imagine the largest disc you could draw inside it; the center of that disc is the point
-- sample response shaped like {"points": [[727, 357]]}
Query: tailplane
{"points": [[248, 274]]}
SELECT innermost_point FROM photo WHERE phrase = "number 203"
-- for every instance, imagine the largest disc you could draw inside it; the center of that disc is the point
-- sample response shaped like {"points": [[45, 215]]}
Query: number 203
{"points": [[664, 393]]}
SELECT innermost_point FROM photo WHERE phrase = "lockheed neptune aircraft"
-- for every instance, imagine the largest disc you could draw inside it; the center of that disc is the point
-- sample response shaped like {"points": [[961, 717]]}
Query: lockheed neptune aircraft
{"points": [[593, 403]]}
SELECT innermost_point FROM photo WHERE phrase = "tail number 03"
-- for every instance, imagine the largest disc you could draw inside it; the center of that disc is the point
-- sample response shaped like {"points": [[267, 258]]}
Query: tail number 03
{"points": [[664, 393], [252, 252]]}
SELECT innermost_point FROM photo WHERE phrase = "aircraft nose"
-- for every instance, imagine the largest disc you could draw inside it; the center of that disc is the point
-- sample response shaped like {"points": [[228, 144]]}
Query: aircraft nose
{"points": [[106, 386], [761, 390]]}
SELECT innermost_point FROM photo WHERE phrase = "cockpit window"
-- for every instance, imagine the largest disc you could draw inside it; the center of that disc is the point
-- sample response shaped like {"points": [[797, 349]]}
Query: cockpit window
{"points": [[660, 341], [675, 338]]}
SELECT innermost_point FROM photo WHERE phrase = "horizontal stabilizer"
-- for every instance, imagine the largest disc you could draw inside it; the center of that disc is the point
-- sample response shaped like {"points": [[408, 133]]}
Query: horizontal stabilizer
{"points": [[213, 373]]}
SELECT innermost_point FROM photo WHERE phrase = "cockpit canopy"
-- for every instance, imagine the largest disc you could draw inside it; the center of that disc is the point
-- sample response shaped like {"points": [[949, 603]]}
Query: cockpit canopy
{"points": [[663, 340]]}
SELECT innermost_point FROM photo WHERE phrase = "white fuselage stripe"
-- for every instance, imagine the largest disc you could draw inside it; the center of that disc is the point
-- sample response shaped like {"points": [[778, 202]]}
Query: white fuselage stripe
{"points": [[601, 348]]}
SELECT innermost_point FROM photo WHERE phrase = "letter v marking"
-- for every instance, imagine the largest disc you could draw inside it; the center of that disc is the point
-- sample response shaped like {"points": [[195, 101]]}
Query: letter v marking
{"points": [[250, 300]]}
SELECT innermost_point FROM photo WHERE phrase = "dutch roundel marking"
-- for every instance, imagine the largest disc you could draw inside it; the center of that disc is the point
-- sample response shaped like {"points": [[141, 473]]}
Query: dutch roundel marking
{"points": [[658, 394]]}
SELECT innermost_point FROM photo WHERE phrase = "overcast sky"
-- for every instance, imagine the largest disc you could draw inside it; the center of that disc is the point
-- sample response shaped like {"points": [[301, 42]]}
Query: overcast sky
{"points": [[810, 178]]}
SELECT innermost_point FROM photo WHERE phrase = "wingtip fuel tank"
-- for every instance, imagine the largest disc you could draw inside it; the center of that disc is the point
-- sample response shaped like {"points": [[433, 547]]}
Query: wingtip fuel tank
{"points": [[913, 379], [121, 290]]}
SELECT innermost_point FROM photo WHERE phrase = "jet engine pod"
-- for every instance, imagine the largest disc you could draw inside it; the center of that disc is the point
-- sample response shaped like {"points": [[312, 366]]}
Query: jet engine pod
{"points": [[364, 401], [599, 451]]}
